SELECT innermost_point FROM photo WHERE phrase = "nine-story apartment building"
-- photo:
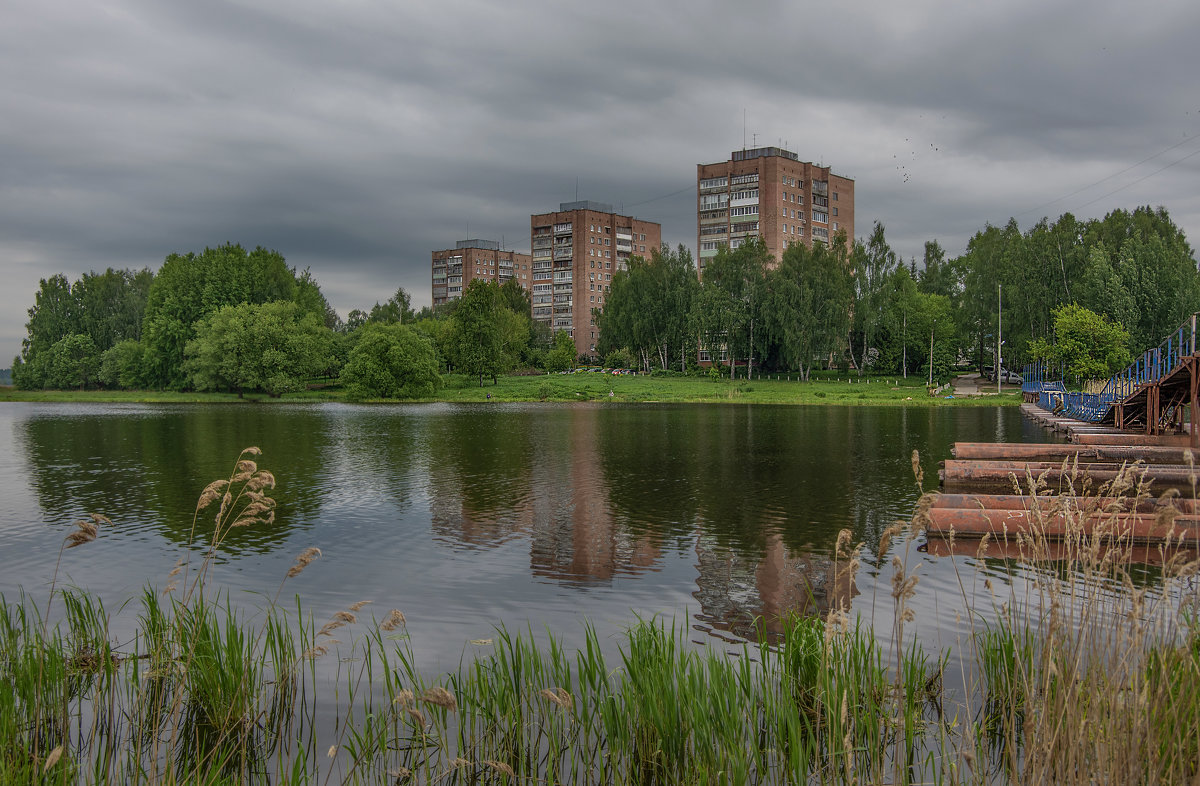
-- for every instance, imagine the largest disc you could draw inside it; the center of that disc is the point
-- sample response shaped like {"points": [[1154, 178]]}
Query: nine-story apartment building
{"points": [[456, 267], [575, 252], [769, 192]]}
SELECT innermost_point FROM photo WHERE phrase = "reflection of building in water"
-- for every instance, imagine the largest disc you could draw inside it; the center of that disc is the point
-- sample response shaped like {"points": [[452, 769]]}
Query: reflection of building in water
{"points": [[557, 494], [574, 536], [736, 591]]}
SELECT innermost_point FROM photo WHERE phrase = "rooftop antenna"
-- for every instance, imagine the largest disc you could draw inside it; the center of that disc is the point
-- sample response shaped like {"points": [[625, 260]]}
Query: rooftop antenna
{"points": [[576, 189], [468, 230], [754, 137], [743, 129]]}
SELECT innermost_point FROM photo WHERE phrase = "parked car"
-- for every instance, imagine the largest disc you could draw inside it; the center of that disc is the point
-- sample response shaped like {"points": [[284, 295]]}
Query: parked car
{"points": [[1010, 377]]}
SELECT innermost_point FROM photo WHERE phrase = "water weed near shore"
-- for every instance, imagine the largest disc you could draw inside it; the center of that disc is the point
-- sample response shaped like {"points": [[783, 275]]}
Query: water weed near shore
{"points": [[1081, 675]]}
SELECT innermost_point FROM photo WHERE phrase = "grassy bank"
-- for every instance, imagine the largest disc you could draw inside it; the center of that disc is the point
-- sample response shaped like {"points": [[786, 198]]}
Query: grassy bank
{"points": [[586, 386], [1086, 679]]}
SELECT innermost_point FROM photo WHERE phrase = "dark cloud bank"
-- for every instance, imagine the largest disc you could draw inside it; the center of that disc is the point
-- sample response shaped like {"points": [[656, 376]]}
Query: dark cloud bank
{"points": [[357, 138]]}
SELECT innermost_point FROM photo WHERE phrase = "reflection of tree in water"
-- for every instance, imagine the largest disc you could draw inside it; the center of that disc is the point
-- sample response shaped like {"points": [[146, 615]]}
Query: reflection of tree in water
{"points": [[145, 469], [743, 595], [381, 452], [480, 461], [736, 474]]}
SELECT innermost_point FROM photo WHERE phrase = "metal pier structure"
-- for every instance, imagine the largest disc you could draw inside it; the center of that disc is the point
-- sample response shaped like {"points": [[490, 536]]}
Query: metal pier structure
{"points": [[1151, 396]]}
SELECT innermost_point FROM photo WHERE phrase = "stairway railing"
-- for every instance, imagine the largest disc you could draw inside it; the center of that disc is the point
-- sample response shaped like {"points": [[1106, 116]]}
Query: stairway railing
{"points": [[1152, 366]]}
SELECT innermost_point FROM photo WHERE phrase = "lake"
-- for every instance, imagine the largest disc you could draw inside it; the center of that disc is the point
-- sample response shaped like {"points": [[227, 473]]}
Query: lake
{"points": [[469, 516]]}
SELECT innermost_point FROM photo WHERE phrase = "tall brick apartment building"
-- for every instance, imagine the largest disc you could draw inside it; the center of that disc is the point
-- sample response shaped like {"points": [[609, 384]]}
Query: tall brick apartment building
{"points": [[769, 192], [457, 267], [575, 252]]}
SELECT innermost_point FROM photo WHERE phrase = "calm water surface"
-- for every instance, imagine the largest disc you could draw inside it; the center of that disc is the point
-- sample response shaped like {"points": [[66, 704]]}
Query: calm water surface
{"points": [[466, 517]]}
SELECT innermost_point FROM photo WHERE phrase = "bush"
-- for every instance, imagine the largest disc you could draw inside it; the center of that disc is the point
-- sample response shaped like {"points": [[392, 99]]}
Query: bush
{"points": [[619, 358], [391, 361], [121, 365]]}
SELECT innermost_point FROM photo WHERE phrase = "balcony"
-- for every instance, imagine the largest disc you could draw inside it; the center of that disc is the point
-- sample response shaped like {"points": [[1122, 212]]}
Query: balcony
{"points": [[820, 187], [623, 235], [626, 247], [562, 229], [562, 252], [541, 242]]}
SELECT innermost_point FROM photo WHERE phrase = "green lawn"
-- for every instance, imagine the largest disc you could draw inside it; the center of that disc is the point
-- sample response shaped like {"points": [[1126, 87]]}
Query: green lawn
{"points": [[588, 386]]}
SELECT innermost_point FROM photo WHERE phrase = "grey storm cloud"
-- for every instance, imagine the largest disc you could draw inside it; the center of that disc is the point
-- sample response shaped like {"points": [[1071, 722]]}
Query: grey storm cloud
{"points": [[355, 138]]}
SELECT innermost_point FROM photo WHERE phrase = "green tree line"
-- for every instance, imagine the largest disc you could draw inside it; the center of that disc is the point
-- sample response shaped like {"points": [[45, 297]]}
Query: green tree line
{"points": [[227, 319], [1125, 281]]}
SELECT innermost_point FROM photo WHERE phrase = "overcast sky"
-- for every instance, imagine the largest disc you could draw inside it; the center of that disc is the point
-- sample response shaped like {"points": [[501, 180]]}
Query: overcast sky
{"points": [[357, 137]]}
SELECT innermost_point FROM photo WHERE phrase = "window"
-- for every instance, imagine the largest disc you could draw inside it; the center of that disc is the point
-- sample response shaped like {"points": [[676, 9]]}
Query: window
{"points": [[643, 236], [834, 226], [785, 229], [835, 196], [784, 196], [821, 217], [835, 211], [607, 253], [607, 241]]}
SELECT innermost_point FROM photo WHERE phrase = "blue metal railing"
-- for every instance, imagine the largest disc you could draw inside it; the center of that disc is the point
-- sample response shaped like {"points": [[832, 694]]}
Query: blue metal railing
{"points": [[1153, 366]]}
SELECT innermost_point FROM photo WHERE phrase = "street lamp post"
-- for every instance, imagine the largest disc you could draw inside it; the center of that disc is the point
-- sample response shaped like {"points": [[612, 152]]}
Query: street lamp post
{"points": [[931, 327]]}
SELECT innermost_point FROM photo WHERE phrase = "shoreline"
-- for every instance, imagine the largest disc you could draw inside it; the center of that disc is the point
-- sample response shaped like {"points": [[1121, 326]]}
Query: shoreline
{"points": [[582, 386]]}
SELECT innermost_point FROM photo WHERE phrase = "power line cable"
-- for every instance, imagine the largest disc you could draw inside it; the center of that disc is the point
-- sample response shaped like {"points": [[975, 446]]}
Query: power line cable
{"points": [[1114, 174], [1140, 179]]}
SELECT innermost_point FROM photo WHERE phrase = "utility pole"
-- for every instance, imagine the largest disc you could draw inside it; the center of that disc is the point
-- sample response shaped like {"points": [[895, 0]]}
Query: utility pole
{"points": [[999, 338]]}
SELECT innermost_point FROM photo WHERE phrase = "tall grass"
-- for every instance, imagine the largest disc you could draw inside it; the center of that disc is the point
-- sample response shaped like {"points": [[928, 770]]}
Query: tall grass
{"points": [[1083, 677]]}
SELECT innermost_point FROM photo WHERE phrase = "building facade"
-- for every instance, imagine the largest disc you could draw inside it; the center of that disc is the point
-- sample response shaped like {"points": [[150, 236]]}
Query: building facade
{"points": [[770, 193], [455, 268], [575, 252]]}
